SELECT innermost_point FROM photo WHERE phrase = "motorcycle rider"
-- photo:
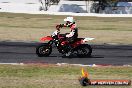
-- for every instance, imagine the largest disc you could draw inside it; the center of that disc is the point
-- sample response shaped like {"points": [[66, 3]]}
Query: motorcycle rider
{"points": [[73, 35]]}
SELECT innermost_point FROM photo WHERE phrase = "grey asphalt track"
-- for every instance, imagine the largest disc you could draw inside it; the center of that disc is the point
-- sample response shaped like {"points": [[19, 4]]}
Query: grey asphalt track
{"points": [[20, 52]]}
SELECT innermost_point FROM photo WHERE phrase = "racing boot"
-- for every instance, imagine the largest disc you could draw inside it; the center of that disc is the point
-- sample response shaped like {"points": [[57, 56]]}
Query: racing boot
{"points": [[69, 53]]}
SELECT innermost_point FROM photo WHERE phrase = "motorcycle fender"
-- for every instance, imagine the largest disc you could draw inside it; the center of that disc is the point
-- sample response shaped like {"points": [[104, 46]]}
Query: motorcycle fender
{"points": [[48, 38], [87, 39]]}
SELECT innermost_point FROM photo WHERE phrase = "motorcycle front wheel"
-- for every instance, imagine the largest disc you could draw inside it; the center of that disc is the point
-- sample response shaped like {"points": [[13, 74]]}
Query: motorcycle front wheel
{"points": [[43, 50]]}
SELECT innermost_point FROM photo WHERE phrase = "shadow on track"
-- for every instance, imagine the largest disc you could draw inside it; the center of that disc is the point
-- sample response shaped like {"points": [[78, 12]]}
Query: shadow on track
{"points": [[83, 57]]}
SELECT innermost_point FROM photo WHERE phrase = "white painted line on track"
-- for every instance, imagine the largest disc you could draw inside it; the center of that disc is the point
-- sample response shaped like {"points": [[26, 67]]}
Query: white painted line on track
{"points": [[11, 63], [67, 64]]}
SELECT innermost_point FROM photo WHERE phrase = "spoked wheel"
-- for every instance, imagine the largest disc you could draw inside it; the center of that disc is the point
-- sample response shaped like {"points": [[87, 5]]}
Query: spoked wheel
{"points": [[84, 51], [43, 50]]}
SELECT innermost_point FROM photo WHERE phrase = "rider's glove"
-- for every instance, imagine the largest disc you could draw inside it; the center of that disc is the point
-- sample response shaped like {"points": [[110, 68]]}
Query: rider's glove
{"points": [[61, 25], [58, 27]]}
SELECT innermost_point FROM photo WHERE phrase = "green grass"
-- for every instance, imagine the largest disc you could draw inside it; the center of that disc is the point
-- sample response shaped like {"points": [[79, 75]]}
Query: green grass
{"points": [[49, 21], [27, 27], [39, 76]]}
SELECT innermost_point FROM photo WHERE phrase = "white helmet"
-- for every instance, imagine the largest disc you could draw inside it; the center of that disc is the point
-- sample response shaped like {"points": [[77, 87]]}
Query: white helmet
{"points": [[70, 19]]}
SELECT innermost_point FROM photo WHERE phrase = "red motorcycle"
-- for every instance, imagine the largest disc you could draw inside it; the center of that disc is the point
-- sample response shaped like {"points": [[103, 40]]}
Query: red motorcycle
{"points": [[79, 47]]}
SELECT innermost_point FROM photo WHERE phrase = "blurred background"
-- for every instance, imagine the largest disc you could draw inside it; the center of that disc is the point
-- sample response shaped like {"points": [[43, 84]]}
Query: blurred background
{"points": [[75, 6]]}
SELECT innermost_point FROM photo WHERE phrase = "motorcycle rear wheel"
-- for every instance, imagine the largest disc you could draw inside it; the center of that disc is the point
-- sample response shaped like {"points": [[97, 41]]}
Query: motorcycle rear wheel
{"points": [[43, 50], [84, 50]]}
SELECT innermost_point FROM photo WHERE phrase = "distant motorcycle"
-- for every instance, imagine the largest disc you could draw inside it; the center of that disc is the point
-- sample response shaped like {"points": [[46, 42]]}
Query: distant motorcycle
{"points": [[59, 40]]}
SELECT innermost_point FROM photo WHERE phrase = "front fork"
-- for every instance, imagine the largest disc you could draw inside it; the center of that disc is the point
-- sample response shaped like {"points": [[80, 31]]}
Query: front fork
{"points": [[50, 42]]}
